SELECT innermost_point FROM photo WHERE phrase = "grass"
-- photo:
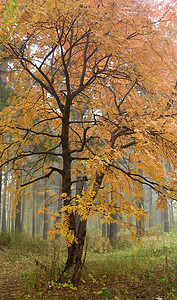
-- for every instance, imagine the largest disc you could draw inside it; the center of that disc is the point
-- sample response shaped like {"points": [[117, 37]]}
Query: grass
{"points": [[127, 271]]}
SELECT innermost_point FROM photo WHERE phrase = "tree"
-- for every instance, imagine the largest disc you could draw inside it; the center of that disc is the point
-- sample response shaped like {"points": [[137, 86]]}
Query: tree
{"points": [[4, 211], [115, 62], [45, 230], [18, 199]]}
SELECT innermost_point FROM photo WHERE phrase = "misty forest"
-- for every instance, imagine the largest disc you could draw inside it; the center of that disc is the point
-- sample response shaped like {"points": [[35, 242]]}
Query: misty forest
{"points": [[88, 151]]}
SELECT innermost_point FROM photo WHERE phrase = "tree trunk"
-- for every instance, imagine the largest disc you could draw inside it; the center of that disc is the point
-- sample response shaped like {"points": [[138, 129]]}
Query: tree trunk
{"points": [[113, 226], [74, 262], [79, 189], [4, 202], [34, 213], [8, 213], [104, 230], [150, 209], [37, 220], [45, 229], [166, 221], [161, 217], [12, 225], [23, 214], [18, 206], [108, 231], [171, 215], [18, 218], [140, 226], [113, 231]]}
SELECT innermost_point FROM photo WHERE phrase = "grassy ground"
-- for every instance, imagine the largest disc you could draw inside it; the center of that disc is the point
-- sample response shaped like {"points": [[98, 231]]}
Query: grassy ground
{"points": [[29, 269]]}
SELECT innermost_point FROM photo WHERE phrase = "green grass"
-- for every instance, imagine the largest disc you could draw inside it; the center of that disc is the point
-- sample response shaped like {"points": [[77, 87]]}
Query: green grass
{"points": [[127, 271]]}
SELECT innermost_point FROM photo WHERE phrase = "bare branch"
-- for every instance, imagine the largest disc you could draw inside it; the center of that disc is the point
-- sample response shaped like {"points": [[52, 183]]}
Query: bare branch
{"points": [[43, 177]]}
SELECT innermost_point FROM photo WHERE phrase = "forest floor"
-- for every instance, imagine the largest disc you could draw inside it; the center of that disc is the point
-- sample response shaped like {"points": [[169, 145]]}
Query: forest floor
{"points": [[127, 271]]}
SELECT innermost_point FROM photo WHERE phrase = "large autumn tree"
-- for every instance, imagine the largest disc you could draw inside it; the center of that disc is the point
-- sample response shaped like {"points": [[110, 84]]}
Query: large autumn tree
{"points": [[94, 102]]}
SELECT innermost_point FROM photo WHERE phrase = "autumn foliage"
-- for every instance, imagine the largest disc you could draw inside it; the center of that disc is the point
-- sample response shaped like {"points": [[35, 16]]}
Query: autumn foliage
{"points": [[93, 101]]}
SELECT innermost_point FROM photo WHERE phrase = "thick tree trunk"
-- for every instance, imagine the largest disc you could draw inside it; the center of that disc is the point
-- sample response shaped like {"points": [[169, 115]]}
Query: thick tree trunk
{"points": [[113, 231], [74, 262], [79, 188]]}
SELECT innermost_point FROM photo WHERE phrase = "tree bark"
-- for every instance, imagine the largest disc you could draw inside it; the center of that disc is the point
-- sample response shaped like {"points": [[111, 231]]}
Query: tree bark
{"points": [[34, 214], [18, 206], [140, 224], [150, 209], [166, 221], [171, 215], [104, 230], [74, 262], [12, 225], [108, 231], [113, 226], [45, 228], [4, 202], [23, 214]]}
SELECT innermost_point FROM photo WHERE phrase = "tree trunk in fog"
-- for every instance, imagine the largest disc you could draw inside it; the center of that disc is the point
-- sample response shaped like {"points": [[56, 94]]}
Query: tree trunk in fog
{"points": [[113, 226], [108, 231], [166, 221], [23, 214], [161, 217], [104, 229], [46, 219], [18, 201], [18, 218], [171, 214], [8, 213], [12, 225], [150, 209], [140, 225], [4, 202], [33, 213], [113, 231], [37, 220]]}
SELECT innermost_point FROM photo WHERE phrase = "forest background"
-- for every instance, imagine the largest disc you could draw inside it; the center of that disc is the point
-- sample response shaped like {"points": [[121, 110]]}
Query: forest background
{"points": [[88, 120]]}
